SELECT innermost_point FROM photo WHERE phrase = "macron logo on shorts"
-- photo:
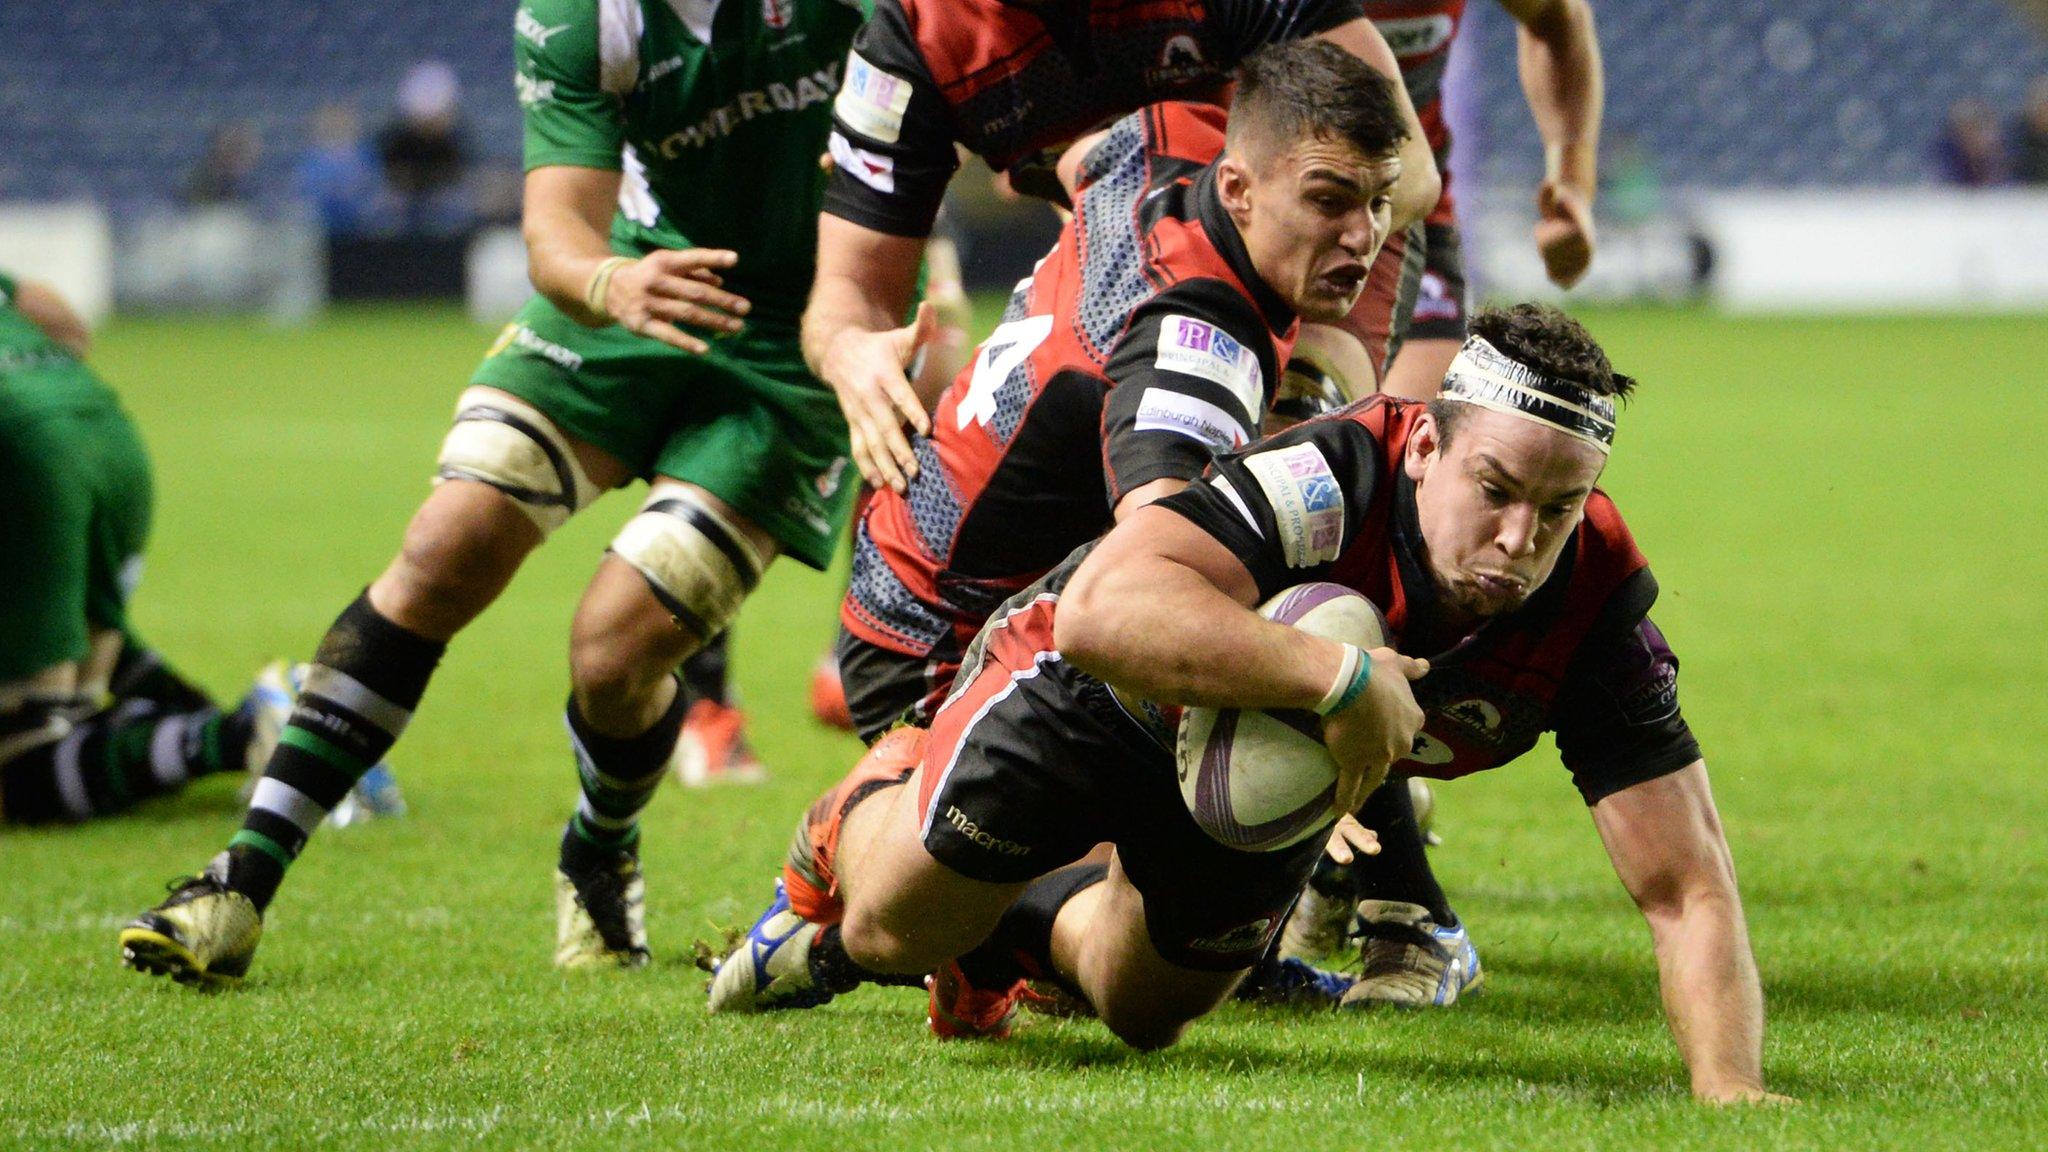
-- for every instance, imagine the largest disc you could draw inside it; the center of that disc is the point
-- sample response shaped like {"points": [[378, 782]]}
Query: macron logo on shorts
{"points": [[1307, 502], [982, 839], [1198, 348], [872, 102]]}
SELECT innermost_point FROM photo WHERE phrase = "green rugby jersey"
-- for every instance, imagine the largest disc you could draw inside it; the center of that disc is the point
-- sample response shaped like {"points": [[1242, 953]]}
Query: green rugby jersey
{"points": [[715, 110], [37, 374]]}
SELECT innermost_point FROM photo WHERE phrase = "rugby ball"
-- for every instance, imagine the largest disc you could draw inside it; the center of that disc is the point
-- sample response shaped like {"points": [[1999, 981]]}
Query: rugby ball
{"points": [[1259, 781]]}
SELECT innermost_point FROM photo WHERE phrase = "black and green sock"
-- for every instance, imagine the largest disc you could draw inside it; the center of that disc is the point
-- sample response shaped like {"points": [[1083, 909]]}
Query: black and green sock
{"points": [[618, 776], [359, 694]]}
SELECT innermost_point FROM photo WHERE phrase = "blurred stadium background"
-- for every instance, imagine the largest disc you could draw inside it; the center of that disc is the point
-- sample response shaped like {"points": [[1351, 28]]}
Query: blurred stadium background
{"points": [[1761, 153]]}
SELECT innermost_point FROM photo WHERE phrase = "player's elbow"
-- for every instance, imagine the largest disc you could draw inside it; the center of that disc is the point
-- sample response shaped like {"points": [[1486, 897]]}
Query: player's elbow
{"points": [[1422, 185], [1087, 620]]}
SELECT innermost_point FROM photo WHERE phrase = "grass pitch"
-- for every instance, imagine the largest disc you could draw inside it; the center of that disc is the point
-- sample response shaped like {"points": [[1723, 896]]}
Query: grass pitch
{"points": [[1845, 515]]}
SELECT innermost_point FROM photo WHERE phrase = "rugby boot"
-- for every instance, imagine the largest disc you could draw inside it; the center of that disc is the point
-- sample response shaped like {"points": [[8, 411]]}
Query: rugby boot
{"points": [[1290, 982], [601, 915], [202, 935], [770, 967], [828, 695], [1410, 960], [960, 1011], [713, 748], [1317, 928], [807, 873]]}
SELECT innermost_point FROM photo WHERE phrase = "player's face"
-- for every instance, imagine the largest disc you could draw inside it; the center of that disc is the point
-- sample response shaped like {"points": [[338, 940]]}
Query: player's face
{"points": [[1496, 506], [1313, 218]]}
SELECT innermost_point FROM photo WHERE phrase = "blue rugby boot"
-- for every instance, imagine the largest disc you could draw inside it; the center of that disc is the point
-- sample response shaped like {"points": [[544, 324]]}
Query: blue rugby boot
{"points": [[770, 967]]}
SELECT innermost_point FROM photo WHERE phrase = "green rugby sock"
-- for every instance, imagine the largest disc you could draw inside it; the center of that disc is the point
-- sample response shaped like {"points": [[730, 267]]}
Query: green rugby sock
{"points": [[359, 694]]}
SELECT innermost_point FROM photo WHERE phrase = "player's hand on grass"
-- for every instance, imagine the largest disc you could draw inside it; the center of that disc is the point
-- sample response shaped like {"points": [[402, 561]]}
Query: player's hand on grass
{"points": [[1376, 729], [1564, 232], [661, 290], [1349, 840], [869, 372]]}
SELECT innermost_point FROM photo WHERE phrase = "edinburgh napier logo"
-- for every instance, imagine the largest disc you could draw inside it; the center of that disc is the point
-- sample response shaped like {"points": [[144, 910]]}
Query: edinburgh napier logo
{"points": [[973, 831]]}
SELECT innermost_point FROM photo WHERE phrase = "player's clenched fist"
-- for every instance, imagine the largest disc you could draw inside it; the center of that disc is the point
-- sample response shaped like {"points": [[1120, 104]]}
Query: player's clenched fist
{"points": [[870, 373], [1564, 232], [655, 294], [1377, 729]]}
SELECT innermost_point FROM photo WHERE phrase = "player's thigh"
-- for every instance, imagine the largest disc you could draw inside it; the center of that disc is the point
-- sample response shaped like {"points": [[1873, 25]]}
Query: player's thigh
{"points": [[905, 910], [45, 545], [1140, 995], [755, 429], [1005, 791]]}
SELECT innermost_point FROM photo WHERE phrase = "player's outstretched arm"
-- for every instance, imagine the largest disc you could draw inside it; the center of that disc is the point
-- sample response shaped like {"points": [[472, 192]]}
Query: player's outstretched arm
{"points": [[567, 224], [1416, 192], [855, 341], [1665, 839], [1564, 83], [1162, 609]]}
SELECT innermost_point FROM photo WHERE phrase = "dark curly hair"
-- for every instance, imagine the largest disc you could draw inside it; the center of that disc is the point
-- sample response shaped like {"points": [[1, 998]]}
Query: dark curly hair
{"points": [[1312, 88], [1543, 338]]}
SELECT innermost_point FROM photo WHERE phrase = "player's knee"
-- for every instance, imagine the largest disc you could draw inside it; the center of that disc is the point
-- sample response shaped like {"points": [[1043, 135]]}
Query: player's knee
{"points": [[1147, 1028], [613, 677], [876, 945], [512, 447], [453, 562], [697, 562]]}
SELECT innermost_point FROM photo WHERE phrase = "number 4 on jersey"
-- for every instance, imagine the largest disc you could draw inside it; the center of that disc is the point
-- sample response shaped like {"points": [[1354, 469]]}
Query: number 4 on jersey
{"points": [[1006, 347]]}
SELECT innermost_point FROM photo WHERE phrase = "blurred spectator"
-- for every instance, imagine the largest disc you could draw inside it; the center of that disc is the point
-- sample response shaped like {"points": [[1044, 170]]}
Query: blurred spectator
{"points": [[226, 172], [1969, 153], [337, 174], [423, 152], [2030, 137]]}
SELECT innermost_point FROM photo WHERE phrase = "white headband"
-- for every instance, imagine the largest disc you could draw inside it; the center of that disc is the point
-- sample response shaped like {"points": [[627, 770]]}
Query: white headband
{"points": [[1482, 374]]}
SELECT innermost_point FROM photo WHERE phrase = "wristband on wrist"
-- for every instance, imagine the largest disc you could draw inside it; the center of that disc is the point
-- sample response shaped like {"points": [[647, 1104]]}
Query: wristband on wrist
{"points": [[600, 284], [1352, 677]]}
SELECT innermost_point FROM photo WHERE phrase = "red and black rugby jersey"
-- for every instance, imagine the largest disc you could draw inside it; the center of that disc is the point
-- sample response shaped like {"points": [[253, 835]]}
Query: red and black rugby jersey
{"points": [[1329, 500], [1007, 80], [1144, 343]]}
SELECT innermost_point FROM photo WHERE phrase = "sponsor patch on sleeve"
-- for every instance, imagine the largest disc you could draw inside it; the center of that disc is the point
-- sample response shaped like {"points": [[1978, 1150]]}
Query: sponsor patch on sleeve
{"points": [[1199, 348], [1307, 502], [870, 168], [872, 102], [1164, 410]]}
